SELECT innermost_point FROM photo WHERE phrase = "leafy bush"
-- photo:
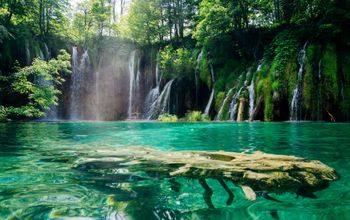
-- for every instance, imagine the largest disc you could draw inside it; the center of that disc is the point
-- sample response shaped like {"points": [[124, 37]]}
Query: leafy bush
{"points": [[196, 116], [167, 118], [37, 83]]}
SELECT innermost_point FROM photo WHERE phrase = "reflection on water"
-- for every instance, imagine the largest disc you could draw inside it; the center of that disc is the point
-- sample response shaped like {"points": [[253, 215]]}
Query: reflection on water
{"points": [[37, 180]]}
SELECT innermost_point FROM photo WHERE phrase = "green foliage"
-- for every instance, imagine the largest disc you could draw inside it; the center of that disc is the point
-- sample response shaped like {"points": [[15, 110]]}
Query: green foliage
{"points": [[268, 101], [284, 47], [142, 23], [219, 99], [204, 71], [167, 118], [345, 104], [310, 90], [174, 63], [276, 86], [3, 113], [330, 74], [37, 84], [194, 116]]}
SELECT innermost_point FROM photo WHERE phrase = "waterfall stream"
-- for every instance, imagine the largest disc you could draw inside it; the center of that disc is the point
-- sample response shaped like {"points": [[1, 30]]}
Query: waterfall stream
{"points": [[234, 105], [251, 97], [295, 104], [199, 58], [228, 95], [211, 98], [161, 104], [319, 107]]}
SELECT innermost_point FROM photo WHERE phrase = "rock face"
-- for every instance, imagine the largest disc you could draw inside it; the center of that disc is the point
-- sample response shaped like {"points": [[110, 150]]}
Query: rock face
{"points": [[258, 172]]}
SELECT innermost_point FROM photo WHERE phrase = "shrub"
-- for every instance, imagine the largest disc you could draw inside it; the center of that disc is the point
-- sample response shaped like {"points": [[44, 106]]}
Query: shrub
{"points": [[196, 116], [167, 118]]}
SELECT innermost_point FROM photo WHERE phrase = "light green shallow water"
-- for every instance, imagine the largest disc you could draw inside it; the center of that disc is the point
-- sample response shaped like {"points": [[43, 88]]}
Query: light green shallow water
{"points": [[37, 181]]}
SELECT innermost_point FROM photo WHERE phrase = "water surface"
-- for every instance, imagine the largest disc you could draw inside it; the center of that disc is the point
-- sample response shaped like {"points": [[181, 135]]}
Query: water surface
{"points": [[37, 180]]}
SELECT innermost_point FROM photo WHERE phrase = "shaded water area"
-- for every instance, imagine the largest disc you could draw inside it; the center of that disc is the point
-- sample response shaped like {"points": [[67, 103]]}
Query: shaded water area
{"points": [[37, 180]]}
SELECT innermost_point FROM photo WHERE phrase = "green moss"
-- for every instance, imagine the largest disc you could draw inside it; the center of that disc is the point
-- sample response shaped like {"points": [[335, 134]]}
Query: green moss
{"points": [[204, 71], [219, 98], [268, 101], [226, 106], [276, 86], [291, 73], [310, 81], [345, 104], [330, 68]]}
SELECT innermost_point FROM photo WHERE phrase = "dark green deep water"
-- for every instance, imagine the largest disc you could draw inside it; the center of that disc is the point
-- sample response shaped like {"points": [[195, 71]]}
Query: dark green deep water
{"points": [[37, 181]]}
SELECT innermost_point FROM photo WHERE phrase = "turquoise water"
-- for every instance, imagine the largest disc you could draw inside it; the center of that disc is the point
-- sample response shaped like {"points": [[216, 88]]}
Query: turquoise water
{"points": [[37, 180]]}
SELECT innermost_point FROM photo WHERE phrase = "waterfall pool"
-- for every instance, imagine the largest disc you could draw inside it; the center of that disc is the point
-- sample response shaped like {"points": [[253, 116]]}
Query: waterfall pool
{"points": [[37, 180]]}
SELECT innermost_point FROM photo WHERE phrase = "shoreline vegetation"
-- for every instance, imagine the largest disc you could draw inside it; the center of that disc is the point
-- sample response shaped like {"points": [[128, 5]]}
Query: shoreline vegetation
{"points": [[265, 61]]}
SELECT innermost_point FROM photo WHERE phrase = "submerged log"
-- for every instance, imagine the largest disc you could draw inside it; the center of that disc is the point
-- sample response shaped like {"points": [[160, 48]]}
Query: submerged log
{"points": [[257, 172]]}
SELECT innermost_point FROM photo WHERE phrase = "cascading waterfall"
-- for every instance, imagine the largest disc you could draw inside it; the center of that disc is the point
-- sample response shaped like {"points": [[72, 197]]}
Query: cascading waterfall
{"points": [[252, 93], [78, 77], [229, 93], [295, 104], [162, 104], [251, 97], [153, 95], [199, 58], [234, 105], [211, 98]]}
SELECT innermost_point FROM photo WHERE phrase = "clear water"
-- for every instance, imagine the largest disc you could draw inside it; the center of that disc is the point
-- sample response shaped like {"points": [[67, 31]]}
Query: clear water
{"points": [[37, 180]]}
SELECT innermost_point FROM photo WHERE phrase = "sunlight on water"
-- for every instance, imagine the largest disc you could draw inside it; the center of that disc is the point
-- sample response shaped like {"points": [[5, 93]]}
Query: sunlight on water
{"points": [[37, 180]]}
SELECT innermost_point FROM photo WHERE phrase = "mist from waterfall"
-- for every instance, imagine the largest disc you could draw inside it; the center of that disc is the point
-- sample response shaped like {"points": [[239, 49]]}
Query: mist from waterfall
{"points": [[77, 81], [295, 104], [134, 81]]}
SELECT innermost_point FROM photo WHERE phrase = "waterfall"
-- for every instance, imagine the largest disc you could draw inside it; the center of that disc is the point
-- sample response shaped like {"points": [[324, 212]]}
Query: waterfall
{"points": [[251, 91], [162, 103], [77, 78], [219, 116], [207, 108], [199, 58], [234, 105], [153, 95], [295, 104], [211, 98], [251, 95], [134, 81]]}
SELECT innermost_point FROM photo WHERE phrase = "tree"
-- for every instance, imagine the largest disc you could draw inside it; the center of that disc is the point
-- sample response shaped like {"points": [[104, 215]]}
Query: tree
{"points": [[37, 87]]}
